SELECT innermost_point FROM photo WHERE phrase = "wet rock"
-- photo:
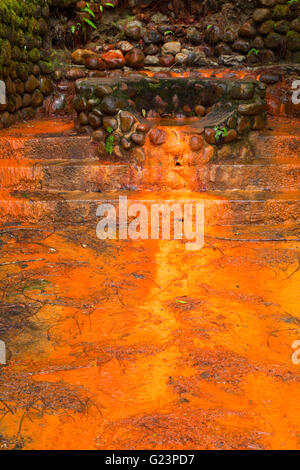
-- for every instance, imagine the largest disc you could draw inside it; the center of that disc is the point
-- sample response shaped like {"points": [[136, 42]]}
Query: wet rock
{"points": [[295, 25], [210, 136], [157, 136], [32, 84], [103, 90], [94, 120], [247, 30], [270, 78], [126, 121], [196, 143], [251, 109], [181, 58], [138, 138], [194, 36], [133, 30], [266, 27], [223, 49], [99, 135], [171, 48], [280, 12], [80, 55], [152, 37], [110, 105], [152, 50], [199, 110], [282, 27], [293, 40], [37, 99], [229, 36], [151, 60], [167, 60], [126, 144], [109, 122], [26, 100], [95, 63], [93, 103], [242, 91], [124, 46], [114, 59], [273, 40], [261, 14], [212, 35], [57, 75], [46, 86], [46, 67], [75, 73], [135, 58], [83, 119], [231, 136], [241, 45], [79, 104]]}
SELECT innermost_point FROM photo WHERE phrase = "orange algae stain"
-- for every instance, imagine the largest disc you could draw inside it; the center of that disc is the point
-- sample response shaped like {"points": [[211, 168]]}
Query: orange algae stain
{"points": [[147, 346], [166, 349]]}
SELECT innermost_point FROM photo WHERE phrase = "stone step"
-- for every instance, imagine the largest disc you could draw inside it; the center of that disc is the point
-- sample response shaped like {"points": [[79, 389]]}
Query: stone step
{"points": [[221, 207], [45, 147], [72, 175], [69, 175]]}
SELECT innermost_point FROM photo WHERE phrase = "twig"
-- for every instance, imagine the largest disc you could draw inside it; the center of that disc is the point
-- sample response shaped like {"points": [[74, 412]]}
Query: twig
{"points": [[22, 262]]}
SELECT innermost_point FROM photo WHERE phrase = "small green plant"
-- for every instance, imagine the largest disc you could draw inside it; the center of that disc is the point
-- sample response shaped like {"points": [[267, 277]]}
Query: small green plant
{"points": [[86, 21], [253, 51], [220, 133], [110, 140], [208, 27], [292, 2], [167, 33]]}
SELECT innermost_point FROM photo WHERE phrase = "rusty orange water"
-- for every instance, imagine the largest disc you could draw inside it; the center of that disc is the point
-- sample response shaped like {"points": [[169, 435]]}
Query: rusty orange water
{"points": [[144, 345]]}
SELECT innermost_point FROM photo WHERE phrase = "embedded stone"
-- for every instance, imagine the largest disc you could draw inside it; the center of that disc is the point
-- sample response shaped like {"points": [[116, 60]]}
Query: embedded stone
{"points": [[196, 143], [242, 91], [114, 59], [261, 14], [210, 136], [135, 58], [37, 99], [167, 60], [95, 63], [79, 104], [32, 84], [126, 121], [171, 48], [138, 139], [157, 136], [46, 86], [94, 120], [247, 30], [110, 105], [103, 90], [251, 109], [109, 122], [199, 110], [80, 55]]}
